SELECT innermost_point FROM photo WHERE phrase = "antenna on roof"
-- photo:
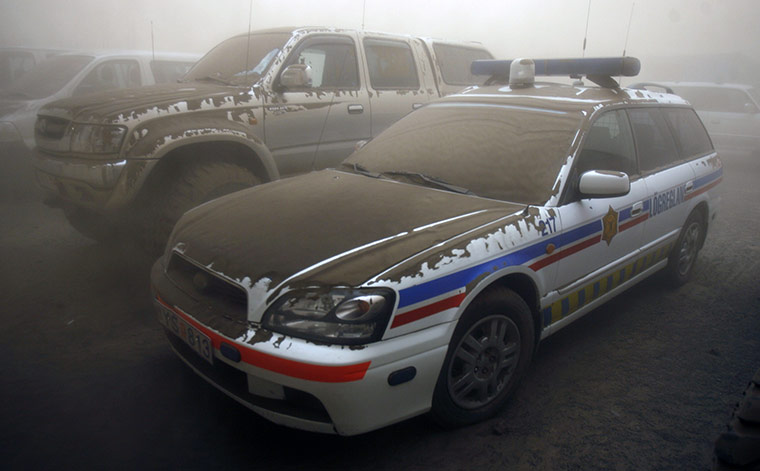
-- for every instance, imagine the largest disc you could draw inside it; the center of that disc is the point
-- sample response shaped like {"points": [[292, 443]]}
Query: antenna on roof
{"points": [[152, 41], [364, 10], [585, 35], [248, 42], [630, 19]]}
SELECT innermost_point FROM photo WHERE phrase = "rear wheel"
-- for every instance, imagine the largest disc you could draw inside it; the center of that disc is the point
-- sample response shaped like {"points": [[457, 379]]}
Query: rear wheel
{"points": [[193, 185], [488, 354], [682, 259]]}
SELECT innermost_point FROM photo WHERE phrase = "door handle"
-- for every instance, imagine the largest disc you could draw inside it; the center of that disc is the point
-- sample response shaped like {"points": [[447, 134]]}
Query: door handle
{"points": [[355, 109], [637, 208], [689, 187], [416, 105]]}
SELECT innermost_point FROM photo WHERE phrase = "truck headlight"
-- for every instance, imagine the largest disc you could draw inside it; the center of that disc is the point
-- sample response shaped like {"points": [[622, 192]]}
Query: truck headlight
{"points": [[339, 316], [8, 132], [97, 138]]}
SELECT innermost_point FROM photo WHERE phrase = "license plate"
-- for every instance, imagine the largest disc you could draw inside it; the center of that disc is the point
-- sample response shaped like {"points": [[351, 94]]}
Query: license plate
{"points": [[195, 339]]}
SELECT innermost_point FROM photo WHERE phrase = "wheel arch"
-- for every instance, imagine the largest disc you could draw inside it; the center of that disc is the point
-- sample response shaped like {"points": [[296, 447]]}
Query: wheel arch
{"points": [[522, 281], [704, 211]]}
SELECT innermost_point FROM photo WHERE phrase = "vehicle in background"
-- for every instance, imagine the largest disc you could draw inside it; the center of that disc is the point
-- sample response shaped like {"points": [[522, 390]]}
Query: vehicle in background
{"points": [[66, 75], [422, 274], [730, 112], [15, 61], [257, 106]]}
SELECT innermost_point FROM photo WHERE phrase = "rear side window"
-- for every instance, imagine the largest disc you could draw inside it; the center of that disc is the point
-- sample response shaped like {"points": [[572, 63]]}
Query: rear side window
{"points": [[724, 100], [654, 142], [391, 64], [169, 71], [455, 62], [689, 132]]}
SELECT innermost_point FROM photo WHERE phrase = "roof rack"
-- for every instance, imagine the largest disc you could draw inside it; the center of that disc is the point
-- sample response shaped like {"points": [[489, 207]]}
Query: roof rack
{"points": [[599, 70]]}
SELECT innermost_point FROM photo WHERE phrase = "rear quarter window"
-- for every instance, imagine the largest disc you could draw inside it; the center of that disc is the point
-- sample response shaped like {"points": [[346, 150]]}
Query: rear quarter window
{"points": [[455, 62], [688, 131]]}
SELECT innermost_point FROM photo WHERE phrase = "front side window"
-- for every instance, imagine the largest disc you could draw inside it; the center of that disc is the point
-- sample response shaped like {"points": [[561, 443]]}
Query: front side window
{"points": [[333, 64], [169, 71], [111, 75], [654, 142], [608, 145], [391, 65], [689, 132]]}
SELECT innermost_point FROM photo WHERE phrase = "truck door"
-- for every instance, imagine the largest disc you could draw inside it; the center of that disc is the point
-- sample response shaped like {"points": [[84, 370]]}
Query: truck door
{"points": [[396, 80], [317, 126]]}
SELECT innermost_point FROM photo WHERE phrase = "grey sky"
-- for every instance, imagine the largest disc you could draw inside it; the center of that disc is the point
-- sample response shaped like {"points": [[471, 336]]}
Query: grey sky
{"points": [[536, 28]]}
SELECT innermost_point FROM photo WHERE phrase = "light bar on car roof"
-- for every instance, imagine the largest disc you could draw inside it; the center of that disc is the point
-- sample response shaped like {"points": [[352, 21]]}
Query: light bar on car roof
{"points": [[609, 66]]}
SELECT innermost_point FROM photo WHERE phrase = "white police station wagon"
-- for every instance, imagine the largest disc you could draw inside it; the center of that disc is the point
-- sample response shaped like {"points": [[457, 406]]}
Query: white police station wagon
{"points": [[421, 275]]}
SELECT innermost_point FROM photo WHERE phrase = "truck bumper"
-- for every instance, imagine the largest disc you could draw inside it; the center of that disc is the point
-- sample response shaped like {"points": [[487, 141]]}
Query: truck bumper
{"points": [[101, 185]]}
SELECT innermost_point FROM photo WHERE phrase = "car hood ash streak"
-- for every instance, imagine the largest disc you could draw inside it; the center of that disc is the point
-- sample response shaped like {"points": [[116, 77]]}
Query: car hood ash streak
{"points": [[118, 106], [292, 226]]}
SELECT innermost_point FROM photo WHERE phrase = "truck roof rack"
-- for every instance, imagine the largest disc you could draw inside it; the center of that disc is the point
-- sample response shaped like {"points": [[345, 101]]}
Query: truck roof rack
{"points": [[521, 72]]}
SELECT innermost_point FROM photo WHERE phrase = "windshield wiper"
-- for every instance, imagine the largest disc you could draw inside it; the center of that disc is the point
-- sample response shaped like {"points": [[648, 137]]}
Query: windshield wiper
{"points": [[433, 181], [361, 169]]}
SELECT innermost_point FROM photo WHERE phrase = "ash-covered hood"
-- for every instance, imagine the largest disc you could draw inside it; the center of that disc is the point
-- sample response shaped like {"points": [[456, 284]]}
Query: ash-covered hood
{"points": [[131, 106], [325, 228]]}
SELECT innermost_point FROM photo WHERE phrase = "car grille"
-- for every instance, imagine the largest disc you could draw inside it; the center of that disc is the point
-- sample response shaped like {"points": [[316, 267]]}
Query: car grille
{"points": [[209, 288]]}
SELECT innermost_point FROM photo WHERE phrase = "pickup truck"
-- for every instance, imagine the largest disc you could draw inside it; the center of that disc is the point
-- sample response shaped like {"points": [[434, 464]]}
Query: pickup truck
{"points": [[258, 106]]}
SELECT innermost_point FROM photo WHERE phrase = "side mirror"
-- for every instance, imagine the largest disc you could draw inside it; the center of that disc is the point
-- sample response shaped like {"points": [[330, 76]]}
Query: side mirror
{"points": [[750, 108], [360, 144], [296, 76], [604, 184]]}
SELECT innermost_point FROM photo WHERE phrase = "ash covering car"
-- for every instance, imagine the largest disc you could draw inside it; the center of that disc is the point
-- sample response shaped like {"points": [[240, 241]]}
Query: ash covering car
{"points": [[421, 275]]}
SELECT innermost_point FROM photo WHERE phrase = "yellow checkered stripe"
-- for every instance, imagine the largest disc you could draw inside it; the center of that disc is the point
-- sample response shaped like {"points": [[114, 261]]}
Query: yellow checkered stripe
{"points": [[577, 299]]}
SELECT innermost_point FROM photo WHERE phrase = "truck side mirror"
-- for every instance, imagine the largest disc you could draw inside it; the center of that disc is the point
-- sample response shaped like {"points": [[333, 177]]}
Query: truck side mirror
{"points": [[296, 76], [604, 184]]}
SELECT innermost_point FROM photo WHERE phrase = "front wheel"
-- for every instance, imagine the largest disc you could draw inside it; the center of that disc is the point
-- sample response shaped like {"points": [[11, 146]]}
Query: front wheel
{"points": [[681, 261], [488, 354]]}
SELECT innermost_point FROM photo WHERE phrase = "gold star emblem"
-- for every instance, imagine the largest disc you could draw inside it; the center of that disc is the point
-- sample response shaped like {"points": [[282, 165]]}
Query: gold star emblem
{"points": [[610, 221]]}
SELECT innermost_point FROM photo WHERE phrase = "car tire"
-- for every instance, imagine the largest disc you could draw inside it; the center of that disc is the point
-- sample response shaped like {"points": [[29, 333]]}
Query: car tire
{"points": [[193, 185], [487, 356], [684, 255], [90, 224], [738, 448]]}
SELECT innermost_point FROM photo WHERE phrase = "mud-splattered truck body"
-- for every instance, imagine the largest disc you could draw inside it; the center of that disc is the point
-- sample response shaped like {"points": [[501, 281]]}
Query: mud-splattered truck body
{"points": [[258, 106]]}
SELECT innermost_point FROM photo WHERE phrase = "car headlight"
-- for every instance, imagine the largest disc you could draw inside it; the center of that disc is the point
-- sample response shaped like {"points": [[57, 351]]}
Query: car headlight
{"points": [[97, 139], [339, 316], [8, 132]]}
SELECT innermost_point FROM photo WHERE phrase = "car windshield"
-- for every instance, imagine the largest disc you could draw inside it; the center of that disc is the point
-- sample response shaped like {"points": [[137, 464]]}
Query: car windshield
{"points": [[227, 62], [504, 152], [48, 76]]}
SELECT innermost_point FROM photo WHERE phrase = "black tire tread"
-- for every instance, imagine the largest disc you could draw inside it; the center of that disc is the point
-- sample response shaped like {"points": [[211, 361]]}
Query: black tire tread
{"points": [[738, 448]]}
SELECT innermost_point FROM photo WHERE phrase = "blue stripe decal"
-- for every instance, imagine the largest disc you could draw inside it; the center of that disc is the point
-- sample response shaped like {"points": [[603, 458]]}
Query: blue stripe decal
{"points": [[565, 306], [581, 297], [548, 315], [454, 281], [707, 179], [597, 287]]}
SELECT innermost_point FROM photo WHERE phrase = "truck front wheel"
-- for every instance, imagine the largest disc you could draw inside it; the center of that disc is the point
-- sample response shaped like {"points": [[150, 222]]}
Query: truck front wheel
{"points": [[189, 187]]}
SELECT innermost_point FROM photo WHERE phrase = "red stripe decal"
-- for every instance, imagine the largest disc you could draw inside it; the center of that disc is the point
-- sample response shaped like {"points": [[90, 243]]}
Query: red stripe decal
{"points": [[633, 222], [429, 310], [292, 368], [703, 189], [565, 253]]}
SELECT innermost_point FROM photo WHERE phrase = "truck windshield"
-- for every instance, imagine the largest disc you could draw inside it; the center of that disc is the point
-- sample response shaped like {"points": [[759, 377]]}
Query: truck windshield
{"points": [[48, 76], [227, 62], [509, 153]]}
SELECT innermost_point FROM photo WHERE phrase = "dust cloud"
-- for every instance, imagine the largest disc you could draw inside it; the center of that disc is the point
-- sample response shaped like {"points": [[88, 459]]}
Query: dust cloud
{"points": [[670, 36]]}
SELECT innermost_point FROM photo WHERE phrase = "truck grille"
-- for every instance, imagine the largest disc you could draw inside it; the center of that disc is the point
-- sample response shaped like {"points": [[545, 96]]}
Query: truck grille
{"points": [[209, 288]]}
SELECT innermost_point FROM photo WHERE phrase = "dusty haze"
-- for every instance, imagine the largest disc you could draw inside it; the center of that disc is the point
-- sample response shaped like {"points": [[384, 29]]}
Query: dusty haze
{"points": [[540, 28]]}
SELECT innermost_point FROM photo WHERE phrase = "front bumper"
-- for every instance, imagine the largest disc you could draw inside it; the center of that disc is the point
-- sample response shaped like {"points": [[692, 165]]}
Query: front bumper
{"points": [[102, 185], [320, 388]]}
